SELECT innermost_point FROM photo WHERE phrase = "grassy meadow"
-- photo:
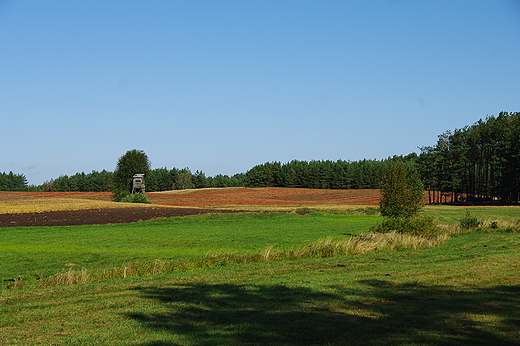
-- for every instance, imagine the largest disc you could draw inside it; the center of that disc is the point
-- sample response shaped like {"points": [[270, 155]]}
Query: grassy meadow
{"points": [[36, 252], [239, 280]]}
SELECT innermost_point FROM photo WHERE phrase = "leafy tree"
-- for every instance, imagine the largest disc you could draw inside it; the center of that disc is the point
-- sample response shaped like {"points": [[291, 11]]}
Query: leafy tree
{"points": [[184, 181], [134, 161], [402, 196], [401, 193]]}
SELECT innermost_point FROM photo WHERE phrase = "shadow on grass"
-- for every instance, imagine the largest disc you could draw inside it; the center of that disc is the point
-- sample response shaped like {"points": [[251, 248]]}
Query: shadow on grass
{"points": [[380, 313]]}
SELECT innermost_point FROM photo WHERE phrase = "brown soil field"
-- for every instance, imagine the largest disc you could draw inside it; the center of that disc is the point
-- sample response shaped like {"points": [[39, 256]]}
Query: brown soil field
{"points": [[83, 209], [99, 216]]}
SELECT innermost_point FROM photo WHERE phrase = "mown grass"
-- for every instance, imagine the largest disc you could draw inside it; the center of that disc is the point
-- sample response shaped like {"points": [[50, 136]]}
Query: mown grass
{"points": [[38, 252], [453, 214], [464, 291]]}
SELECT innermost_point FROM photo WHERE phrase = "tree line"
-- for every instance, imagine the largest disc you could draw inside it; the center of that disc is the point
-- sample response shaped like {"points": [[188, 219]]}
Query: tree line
{"points": [[365, 174], [13, 182], [480, 162], [325, 174], [158, 179]]}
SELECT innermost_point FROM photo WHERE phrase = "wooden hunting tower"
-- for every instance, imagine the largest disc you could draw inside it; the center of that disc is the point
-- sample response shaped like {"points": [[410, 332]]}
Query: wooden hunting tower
{"points": [[138, 183]]}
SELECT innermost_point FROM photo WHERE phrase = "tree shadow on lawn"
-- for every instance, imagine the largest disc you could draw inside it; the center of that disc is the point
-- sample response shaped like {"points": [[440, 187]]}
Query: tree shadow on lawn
{"points": [[381, 313]]}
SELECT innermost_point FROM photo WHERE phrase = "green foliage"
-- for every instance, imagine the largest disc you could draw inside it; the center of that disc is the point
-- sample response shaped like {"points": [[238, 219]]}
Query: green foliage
{"points": [[81, 182], [133, 162], [401, 193], [478, 163], [13, 182], [401, 200], [364, 174], [133, 198], [416, 225], [469, 221], [184, 181]]}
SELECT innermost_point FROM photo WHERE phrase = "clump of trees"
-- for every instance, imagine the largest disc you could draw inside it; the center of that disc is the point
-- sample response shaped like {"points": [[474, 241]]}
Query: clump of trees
{"points": [[158, 179], [81, 182], [13, 182], [480, 162], [364, 174], [132, 162], [163, 179]]}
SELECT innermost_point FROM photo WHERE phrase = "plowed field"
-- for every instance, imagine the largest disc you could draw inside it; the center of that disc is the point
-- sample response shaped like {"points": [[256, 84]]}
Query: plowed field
{"points": [[233, 196], [266, 197], [77, 208]]}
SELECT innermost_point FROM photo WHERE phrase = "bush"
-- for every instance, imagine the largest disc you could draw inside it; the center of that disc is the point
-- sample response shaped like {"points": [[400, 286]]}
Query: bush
{"points": [[133, 198], [469, 222], [416, 225]]}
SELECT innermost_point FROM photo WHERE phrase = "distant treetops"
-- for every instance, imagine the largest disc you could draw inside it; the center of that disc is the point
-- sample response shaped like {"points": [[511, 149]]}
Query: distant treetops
{"points": [[480, 162]]}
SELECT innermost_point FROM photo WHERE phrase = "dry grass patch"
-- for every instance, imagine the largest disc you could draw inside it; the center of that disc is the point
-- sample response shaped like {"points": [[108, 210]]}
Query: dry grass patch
{"points": [[327, 248]]}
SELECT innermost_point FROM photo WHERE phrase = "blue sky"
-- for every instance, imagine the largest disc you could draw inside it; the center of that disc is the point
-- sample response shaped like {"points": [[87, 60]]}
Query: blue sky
{"points": [[221, 86]]}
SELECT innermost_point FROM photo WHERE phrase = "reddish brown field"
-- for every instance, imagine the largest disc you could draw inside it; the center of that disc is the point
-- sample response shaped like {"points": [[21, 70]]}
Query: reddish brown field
{"points": [[79, 208], [268, 197], [239, 196]]}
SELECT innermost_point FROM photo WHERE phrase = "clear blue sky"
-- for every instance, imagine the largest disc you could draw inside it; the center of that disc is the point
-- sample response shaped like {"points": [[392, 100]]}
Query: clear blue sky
{"points": [[221, 86]]}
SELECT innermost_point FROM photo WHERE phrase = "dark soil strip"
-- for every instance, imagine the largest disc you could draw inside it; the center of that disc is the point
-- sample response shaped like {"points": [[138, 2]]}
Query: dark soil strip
{"points": [[100, 216]]}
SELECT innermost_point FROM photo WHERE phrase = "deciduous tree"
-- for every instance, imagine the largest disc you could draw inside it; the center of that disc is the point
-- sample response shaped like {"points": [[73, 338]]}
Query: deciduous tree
{"points": [[134, 161], [401, 193]]}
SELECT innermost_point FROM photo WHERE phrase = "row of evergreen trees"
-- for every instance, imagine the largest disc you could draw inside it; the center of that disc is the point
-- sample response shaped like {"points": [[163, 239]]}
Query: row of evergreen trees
{"points": [[94, 181], [365, 174], [159, 179], [13, 182], [476, 163]]}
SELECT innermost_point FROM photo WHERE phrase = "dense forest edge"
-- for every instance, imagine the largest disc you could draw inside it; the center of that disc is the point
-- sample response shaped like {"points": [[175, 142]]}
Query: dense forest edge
{"points": [[477, 163]]}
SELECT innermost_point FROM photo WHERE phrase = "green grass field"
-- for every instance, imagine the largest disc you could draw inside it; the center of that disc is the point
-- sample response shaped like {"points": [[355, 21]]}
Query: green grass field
{"points": [[32, 252], [465, 291]]}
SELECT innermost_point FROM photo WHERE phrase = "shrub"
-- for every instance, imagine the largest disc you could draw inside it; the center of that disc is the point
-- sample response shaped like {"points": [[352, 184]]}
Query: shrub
{"points": [[401, 193], [416, 225], [133, 198], [469, 222]]}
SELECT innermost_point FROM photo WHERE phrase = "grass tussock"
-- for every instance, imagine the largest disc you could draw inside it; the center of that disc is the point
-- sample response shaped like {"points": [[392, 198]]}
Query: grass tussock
{"points": [[362, 244]]}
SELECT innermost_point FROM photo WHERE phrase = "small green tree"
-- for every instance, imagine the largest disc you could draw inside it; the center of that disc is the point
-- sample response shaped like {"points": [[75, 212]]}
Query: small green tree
{"points": [[401, 200], [134, 161], [401, 193]]}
